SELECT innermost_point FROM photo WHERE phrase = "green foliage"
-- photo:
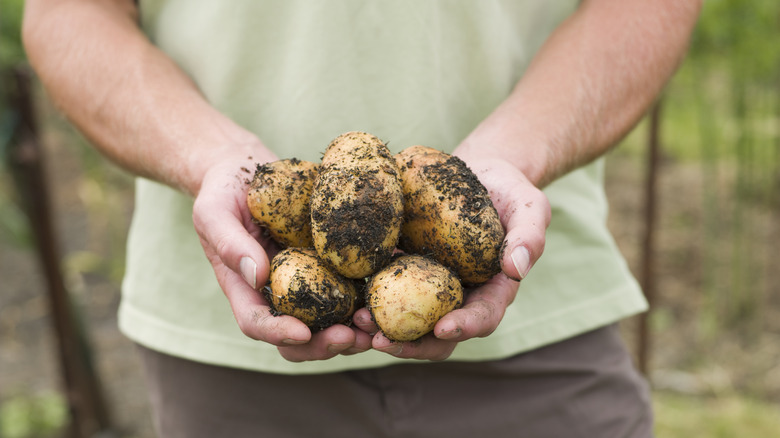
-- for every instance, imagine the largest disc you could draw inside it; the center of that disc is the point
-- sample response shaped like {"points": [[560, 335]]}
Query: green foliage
{"points": [[11, 51], [720, 138], [11, 54], [745, 32], [14, 229], [33, 416], [680, 416], [724, 101], [13, 223]]}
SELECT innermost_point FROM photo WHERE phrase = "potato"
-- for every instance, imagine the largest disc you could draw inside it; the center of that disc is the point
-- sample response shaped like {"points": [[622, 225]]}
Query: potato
{"points": [[409, 296], [356, 205], [279, 200], [448, 214], [303, 287]]}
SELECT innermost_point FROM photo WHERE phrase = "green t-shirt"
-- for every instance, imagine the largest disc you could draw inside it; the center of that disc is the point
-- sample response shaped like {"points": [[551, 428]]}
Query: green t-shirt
{"points": [[298, 74]]}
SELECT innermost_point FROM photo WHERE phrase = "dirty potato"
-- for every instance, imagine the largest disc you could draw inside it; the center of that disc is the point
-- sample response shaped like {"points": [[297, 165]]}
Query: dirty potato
{"points": [[303, 287], [356, 205], [279, 200], [409, 296], [448, 214]]}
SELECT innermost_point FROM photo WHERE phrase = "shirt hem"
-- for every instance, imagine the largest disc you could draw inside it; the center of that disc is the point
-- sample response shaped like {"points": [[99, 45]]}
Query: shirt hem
{"points": [[221, 350]]}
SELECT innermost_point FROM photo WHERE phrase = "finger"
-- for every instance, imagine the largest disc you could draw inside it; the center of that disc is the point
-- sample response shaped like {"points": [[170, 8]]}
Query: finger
{"points": [[525, 215], [324, 344], [479, 317], [362, 343], [425, 348], [481, 313], [223, 227], [253, 314], [364, 321], [524, 211]]}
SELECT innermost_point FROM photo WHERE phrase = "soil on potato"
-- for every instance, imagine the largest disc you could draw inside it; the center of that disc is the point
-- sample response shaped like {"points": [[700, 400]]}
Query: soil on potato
{"points": [[373, 148], [265, 183], [360, 223], [461, 190], [328, 310], [364, 221], [315, 300], [454, 178]]}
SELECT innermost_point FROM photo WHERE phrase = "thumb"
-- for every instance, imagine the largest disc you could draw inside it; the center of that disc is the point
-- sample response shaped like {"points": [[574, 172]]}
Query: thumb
{"points": [[524, 211], [223, 223], [525, 214]]}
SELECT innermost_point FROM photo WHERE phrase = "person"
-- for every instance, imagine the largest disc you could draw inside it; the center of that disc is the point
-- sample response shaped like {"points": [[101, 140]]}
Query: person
{"points": [[190, 96]]}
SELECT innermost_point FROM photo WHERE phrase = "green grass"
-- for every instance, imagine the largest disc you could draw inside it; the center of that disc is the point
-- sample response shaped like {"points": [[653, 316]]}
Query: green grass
{"points": [[723, 416], [33, 415], [709, 115], [677, 416]]}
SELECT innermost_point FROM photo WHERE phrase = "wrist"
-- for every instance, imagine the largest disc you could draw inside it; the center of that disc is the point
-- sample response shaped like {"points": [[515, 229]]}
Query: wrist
{"points": [[240, 157], [530, 157], [200, 141]]}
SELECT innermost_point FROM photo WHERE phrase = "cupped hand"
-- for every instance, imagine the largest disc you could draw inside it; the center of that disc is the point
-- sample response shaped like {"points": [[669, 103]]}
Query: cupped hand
{"points": [[525, 214], [240, 255]]}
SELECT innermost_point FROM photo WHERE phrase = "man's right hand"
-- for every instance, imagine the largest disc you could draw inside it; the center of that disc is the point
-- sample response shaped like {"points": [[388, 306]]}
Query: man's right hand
{"points": [[240, 255]]}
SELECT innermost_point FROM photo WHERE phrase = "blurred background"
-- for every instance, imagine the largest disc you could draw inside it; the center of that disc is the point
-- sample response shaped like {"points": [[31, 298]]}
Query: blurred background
{"points": [[695, 206]]}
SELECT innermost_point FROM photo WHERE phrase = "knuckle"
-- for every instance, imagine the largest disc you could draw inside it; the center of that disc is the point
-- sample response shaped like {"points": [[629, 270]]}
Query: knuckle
{"points": [[484, 316], [255, 325], [221, 246], [248, 325]]}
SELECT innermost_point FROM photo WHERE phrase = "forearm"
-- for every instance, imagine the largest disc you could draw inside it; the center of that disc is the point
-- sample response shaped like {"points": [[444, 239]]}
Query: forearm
{"points": [[125, 95], [590, 84]]}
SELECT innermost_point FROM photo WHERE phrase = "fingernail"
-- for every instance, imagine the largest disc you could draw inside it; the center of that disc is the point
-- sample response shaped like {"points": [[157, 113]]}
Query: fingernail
{"points": [[352, 350], [450, 334], [289, 341], [338, 348], [394, 349], [248, 269], [521, 258]]}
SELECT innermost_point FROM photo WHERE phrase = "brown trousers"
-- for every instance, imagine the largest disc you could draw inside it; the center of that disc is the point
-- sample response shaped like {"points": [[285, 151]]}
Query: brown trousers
{"points": [[584, 387]]}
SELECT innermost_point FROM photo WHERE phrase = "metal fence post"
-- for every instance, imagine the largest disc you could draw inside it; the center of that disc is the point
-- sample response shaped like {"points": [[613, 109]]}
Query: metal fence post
{"points": [[648, 259]]}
